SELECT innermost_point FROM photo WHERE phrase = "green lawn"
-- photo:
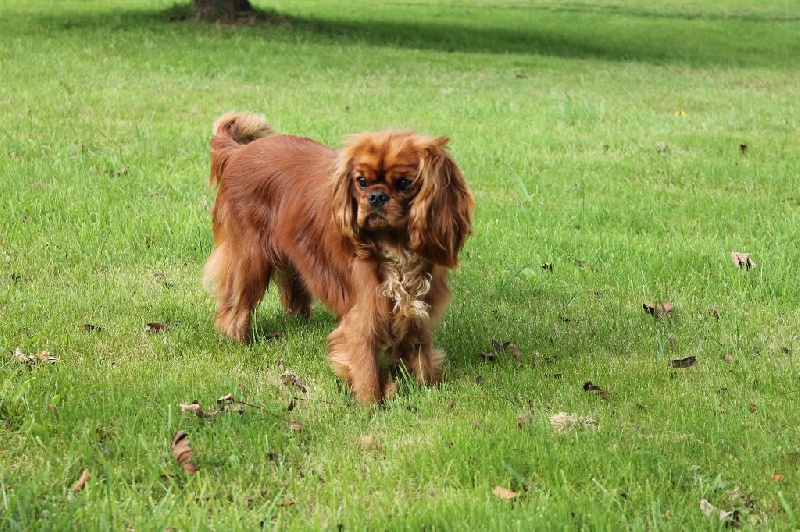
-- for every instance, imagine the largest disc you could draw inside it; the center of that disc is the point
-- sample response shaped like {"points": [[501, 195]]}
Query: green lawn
{"points": [[630, 145]]}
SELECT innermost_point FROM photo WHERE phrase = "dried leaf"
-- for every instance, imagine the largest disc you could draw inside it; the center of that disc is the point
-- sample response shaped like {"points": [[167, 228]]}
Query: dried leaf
{"points": [[81, 482], [195, 408], [729, 517], [728, 358], [564, 421], [687, 362], [44, 356], [225, 399], [368, 442], [20, 356], [155, 328], [523, 418], [182, 451], [736, 495], [41, 356], [777, 477], [53, 410], [162, 278], [105, 433], [205, 497], [660, 310], [707, 508], [753, 407], [589, 386], [488, 356], [502, 493], [671, 339], [742, 259], [231, 407], [585, 265], [516, 352], [792, 457], [296, 427], [290, 379]]}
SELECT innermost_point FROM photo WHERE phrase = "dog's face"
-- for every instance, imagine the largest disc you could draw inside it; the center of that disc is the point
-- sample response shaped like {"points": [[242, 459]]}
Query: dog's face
{"points": [[403, 187], [384, 180]]}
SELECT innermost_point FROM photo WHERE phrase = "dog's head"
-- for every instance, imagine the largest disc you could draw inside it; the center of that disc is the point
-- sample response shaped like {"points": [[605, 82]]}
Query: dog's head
{"points": [[401, 187]]}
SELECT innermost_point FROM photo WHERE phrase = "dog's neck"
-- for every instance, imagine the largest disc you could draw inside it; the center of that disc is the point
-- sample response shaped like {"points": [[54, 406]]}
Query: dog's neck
{"points": [[405, 280]]}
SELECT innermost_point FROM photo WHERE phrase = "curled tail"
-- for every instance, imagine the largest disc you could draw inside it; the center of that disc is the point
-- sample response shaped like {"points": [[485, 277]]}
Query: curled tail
{"points": [[230, 131]]}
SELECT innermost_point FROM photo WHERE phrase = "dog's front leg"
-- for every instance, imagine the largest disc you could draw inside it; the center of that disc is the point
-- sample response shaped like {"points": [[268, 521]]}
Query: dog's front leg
{"points": [[352, 351], [418, 355]]}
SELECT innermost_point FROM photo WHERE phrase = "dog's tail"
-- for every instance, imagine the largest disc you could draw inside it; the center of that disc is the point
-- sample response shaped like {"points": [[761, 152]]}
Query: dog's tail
{"points": [[230, 131]]}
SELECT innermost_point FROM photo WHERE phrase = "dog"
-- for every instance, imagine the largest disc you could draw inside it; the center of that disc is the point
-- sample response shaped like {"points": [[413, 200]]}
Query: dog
{"points": [[371, 230]]}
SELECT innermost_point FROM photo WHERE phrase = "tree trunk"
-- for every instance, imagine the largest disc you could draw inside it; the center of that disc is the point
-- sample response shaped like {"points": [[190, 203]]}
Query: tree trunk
{"points": [[215, 9]]}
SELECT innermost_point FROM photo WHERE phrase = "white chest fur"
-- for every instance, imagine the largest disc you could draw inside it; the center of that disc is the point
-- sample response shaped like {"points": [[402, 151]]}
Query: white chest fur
{"points": [[406, 281]]}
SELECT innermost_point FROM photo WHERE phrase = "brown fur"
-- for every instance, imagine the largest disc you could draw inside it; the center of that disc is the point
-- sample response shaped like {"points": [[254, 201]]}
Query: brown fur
{"points": [[296, 211]]}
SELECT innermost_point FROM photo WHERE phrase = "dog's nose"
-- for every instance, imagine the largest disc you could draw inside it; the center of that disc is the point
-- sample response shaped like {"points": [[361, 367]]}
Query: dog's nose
{"points": [[377, 199]]}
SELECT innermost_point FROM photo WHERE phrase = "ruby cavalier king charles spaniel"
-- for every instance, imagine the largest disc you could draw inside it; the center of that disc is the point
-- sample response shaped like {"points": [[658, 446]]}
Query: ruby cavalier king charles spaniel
{"points": [[370, 230]]}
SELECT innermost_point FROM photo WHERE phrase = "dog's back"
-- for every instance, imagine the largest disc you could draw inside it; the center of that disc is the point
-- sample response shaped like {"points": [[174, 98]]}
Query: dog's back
{"points": [[272, 217], [231, 131]]}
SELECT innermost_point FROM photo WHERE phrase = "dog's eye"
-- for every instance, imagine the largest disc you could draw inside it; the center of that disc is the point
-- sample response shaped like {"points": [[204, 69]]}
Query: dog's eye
{"points": [[404, 184], [362, 182]]}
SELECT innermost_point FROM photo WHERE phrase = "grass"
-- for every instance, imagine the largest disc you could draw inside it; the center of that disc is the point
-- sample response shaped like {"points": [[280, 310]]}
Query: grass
{"points": [[600, 137]]}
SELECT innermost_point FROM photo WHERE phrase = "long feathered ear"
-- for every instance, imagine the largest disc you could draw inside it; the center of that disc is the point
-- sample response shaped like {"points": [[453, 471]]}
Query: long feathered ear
{"points": [[345, 208], [440, 218]]}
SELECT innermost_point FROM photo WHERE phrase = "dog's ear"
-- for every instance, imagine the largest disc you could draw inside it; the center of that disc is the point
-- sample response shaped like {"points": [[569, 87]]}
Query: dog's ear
{"points": [[440, 218], [345, 208]]}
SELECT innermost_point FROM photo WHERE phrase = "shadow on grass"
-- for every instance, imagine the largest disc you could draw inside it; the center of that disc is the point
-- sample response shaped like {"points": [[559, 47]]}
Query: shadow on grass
{"points": [[611, 33], [577, 34]]}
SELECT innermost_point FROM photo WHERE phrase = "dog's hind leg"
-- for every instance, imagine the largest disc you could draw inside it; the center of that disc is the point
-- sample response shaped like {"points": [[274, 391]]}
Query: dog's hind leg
{"points": [[295, 297], [239, 279]]}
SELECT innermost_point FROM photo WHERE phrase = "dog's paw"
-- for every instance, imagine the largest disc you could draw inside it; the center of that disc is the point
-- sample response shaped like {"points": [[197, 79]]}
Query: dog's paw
{"points": [[389, 390]]}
